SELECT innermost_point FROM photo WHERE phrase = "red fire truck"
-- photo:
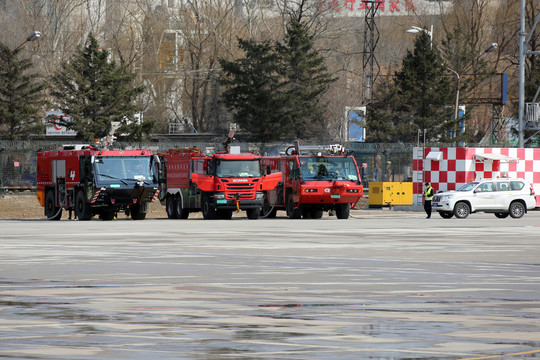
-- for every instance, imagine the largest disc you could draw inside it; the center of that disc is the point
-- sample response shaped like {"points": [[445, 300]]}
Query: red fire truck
{"points": [[215, 184], [96, 182], [314, 179]]}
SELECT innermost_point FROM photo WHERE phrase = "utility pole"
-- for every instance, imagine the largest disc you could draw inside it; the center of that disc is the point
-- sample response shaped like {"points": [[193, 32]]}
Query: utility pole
{"points": [[522, 50], [523, 41]]}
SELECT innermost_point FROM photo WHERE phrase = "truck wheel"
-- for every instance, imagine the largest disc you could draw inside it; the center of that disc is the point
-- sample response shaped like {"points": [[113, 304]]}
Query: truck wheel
{"points": [[224, 214], [170, 207], [181, 212], [306, 213], [316, 214], [343, 211], [137, 211], [253, 214], [517, 210], [208, 210], [107, 215], [82, 207], [268, 211], [292, 212], [462, 210], [52, 211]]}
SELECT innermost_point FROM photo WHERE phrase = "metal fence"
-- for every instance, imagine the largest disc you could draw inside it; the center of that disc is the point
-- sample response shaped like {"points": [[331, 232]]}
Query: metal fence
{"points": [[377, 162]]}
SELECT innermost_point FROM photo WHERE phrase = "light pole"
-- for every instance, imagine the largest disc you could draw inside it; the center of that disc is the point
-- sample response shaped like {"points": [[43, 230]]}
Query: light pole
{"points": [[416, 30], [489, 48], [523, 44], [32, 37], [456, 105]]}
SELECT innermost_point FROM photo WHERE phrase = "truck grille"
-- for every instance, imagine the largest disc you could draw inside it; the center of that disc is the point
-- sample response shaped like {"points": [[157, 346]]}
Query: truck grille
{"points": [[244, 191]]}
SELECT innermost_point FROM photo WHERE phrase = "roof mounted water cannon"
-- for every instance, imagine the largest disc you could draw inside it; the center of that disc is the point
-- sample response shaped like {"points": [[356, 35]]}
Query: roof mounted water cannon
{"points": [[106, 142], [230, 137], [319, 150]]}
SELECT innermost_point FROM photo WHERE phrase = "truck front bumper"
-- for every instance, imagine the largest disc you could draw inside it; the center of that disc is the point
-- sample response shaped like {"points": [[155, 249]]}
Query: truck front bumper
{"points": [[223, 204], [122, 198]]}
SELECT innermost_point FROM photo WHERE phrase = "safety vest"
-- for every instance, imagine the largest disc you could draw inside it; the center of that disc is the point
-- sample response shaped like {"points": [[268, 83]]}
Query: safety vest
{"points": [[428, 193]]}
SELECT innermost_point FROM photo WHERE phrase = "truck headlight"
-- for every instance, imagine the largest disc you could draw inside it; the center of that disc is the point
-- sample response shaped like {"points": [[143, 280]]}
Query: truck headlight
{"points": [[219, 196], [259, 195]]}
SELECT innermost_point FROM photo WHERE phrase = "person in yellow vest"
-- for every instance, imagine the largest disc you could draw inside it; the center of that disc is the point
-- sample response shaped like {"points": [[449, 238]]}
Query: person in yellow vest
{"points": [[428, 196]]}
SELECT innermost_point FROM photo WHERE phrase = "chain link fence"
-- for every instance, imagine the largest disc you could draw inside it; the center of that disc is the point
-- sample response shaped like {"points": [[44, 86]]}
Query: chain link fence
{"points": [[376, 162]]}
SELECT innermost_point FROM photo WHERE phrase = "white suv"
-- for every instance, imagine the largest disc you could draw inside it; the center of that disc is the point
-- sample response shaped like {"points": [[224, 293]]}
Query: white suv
{"points": [[501, 196]]}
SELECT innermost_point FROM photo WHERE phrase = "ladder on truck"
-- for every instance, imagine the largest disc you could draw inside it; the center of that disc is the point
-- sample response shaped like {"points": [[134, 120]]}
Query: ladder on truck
{"points": [[419, 183]]}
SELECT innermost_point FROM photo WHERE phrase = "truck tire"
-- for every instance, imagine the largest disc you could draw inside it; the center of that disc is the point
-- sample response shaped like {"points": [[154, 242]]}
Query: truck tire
{"points": [[268, 211], [306, 213], [82, 207], [137, 211], [170, 207], [181, 212], [106, 215], [292, 212], [343, 211], [208, 210], [52, 211], [316, 214], [224, 214], [253, 214]]}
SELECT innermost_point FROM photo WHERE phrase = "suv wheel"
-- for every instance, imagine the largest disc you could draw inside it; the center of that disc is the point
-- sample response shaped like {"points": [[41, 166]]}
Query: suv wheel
{"points": [[517, 210], [446, 214], [462, 210]]}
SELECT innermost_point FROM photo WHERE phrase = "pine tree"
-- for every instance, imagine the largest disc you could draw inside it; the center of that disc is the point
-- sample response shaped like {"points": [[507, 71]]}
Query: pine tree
{"points": [[21, 97], [94, 91], [254, 90], [421, 99], [307, 80], [275, 90]]}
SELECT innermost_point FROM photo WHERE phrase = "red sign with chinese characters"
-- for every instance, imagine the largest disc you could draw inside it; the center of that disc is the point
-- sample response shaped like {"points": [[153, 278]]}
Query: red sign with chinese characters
{"points": [[389, 6]]}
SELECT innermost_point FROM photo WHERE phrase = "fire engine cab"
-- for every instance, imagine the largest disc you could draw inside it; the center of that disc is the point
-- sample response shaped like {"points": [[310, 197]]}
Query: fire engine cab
{"points": [[96, 182], [314, 179], [215, 184]]}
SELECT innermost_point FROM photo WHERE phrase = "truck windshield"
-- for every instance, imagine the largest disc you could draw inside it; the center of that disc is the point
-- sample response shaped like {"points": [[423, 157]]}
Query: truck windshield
{"points": [[328, 168], [110, 169], [238, 168]]}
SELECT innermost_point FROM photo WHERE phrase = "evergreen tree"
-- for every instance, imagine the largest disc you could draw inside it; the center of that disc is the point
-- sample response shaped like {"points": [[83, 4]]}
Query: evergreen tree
{"points": [[307, 80], [275, 90], [94, 91], [421, 98], [21, 97], [254, 90]]}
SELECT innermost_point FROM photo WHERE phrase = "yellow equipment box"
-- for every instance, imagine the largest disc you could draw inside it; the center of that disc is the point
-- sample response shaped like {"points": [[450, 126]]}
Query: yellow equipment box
{"points": [[390, 193]]}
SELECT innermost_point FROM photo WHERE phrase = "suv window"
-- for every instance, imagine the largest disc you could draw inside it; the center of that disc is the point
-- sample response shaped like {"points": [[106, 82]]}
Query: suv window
{"points": [[503, 186], [517, 185], [485, 187]]}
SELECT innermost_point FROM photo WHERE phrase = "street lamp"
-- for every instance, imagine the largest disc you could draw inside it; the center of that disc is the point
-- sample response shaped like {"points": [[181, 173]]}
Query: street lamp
{"points": [[489, 48], [32, 37], [416, 30]]}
